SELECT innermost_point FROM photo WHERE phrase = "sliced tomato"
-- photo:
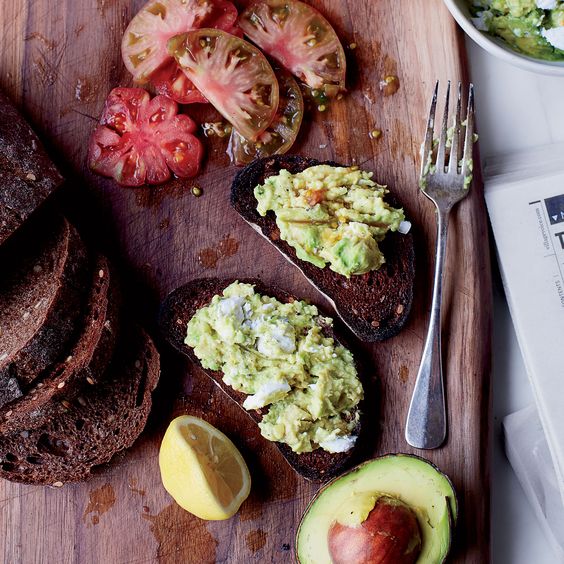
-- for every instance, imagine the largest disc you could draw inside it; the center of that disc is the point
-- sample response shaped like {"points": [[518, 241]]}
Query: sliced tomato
{"points": [[232, 74], [144, 43], [300, 39], [169, 80], [141, 141], [280, 135]]}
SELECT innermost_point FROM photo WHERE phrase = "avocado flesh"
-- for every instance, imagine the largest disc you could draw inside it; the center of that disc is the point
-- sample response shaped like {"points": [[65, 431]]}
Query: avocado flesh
{"points": [[523, 36], [331, 215], [408, 478], [521, 24]]}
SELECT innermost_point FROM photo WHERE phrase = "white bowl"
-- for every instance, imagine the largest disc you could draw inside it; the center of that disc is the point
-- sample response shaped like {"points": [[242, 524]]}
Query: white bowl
{"points": [[497, 47]]}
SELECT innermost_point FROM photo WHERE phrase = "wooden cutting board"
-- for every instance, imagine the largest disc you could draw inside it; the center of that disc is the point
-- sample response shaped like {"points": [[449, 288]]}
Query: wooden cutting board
{"points": [[58, 60]]}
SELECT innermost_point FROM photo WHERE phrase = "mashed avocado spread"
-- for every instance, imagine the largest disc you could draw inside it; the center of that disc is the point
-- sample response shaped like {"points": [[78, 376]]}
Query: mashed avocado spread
{"points": [[532, 27], [277, 354], [330, 214]]}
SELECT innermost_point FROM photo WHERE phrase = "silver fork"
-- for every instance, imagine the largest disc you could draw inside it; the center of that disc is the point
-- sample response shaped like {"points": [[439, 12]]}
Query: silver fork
{"points": [[445, 184]]}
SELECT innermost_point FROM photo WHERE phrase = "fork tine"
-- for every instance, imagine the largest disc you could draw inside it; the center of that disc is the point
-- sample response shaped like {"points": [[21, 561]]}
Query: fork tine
{"points": [[468, 138], [428, 143], [455, 147], [443, 138]]}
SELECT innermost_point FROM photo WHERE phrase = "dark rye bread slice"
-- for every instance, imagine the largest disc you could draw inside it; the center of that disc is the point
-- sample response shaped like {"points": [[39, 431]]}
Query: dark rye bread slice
{"points": [[42, 293], [374, 305], [27, 175], [179, 307], [83, 365], [93, 427]]}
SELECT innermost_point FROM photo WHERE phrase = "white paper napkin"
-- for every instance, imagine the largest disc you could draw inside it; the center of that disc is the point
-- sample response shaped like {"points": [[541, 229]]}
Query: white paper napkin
{"points": [[527, 450]]}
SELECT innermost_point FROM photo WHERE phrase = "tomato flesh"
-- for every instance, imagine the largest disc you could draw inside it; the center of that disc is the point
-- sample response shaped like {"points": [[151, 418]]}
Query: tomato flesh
{"points": [[144, 43], [140, 140], [169, 80], [300, 39], [232, 74], [282, 131]]}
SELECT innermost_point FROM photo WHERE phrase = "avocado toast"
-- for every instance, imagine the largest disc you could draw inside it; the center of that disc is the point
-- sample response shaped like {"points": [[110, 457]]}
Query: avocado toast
{"points": [[181, 306], [374, 305]]}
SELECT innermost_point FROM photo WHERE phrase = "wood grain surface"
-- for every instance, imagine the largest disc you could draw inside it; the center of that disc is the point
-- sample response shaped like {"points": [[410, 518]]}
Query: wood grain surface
{"points": [[58, 60]]}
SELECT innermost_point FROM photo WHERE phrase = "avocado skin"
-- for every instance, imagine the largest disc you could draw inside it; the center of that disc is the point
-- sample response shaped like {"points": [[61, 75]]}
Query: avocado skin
{"points": [[436, 518]]}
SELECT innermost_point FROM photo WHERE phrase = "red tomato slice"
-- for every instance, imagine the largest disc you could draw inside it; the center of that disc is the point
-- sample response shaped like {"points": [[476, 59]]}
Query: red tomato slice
{"points": [[232, 74], [169, 80], [140, 141], [144, 43], [300, 39], [280, 135]]}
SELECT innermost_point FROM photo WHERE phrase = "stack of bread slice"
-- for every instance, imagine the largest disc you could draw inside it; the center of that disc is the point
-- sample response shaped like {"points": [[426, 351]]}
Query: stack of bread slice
{"points": [[75, 376]]}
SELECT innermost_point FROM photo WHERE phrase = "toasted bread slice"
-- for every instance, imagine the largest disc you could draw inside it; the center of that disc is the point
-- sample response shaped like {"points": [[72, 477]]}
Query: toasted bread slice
{"points": [[42, 292], [83, 365], [374, 305], [180, 306], [92, 428], [27, 175]]}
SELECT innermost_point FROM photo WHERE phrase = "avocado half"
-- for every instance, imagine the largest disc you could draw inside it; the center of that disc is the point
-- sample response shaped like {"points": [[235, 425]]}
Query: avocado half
{"points": [[411, 479]]}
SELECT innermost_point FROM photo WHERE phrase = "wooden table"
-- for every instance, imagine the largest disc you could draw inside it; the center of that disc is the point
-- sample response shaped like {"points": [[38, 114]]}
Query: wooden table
{"points": [[58, 61]]}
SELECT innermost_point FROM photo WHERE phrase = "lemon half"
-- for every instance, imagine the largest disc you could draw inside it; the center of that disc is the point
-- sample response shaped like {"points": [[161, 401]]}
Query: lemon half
{"points": [[202, 469]]}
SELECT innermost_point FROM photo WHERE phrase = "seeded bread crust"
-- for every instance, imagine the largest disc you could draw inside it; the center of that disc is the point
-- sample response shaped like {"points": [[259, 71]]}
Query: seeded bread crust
{"points": [[375, 305], [41, 298], [93, 428], [27, 175], [181, 305], [83, 366]]}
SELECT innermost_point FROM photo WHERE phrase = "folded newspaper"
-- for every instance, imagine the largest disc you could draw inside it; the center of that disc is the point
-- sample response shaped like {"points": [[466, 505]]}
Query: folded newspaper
{"points": [[525, 199]]}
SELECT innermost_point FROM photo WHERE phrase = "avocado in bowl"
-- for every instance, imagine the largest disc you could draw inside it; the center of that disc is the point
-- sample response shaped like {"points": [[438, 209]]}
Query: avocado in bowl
{"points": [[526, 33], [396, 509]]}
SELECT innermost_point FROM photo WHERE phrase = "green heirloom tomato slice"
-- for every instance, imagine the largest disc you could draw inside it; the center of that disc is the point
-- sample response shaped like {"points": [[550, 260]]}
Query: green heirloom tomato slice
{"points": [[300, 39], [144, 43], [281, 133], [232, 74], [140, 140]]}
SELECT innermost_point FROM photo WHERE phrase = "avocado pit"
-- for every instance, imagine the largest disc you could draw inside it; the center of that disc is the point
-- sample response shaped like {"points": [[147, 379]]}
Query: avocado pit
{"points": [[389, 534]]}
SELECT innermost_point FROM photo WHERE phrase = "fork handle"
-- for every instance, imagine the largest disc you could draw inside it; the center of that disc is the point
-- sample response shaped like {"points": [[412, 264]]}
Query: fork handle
{"points": [[426, 426]]}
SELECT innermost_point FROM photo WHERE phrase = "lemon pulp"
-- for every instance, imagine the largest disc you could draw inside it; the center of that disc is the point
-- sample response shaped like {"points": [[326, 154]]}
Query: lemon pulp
{"points": [[202, 469]]}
